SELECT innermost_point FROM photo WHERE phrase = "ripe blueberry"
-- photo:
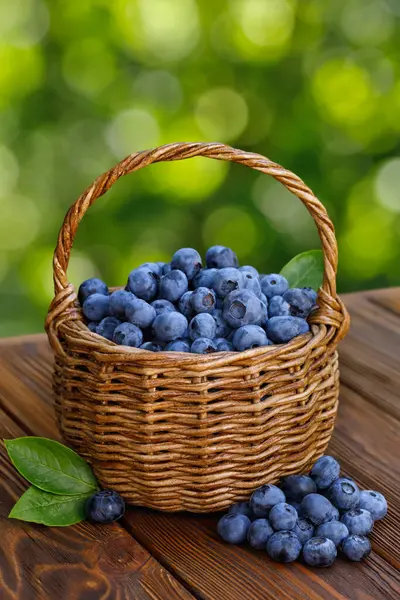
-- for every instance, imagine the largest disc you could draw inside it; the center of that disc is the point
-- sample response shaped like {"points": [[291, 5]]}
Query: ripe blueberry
{"points": [[170, 326], [202, 326], [325, 471], [242, 307], [107, 326], [219, 257], [282, 329], [173, 285], [128, 334], [264, 498], [284, 546], [96, 307], [143, 283], [283, 517], [140, 313], [273, 285], [203, 345], [203, 300], [333, 530], [319, 552], [233, 528], [249, 336], [259, 533], [187, 260], [356, 547], [105, 506], [374, 502], [91, 286]]}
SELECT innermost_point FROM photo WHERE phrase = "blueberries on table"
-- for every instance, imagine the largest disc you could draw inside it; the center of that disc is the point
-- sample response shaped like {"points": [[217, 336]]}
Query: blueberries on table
{"points": [[304, 530], [284, 546], [333, 530], [325, 471], [259, 533], [374, 502], [264, 498], [344, 493], [283, 517], [296, 487], [233, 528], [356, 547], [241, 508], [358, 521], [316, 508], [105, 506], [319, 552]]}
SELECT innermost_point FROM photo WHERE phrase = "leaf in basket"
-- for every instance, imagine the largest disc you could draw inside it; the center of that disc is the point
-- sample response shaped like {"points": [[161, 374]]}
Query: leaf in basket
{"points": [[51, 466], [305, 270], [38, 506]]}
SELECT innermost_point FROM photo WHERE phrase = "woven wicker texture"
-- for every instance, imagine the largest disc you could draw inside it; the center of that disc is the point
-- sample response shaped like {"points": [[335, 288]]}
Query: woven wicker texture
{"points": [[191, 432]]}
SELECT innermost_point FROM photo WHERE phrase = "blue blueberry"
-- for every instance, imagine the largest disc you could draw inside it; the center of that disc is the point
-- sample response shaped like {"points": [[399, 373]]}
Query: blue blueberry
{"points": [[128, 334], [249, 336], [316, 508], [185, 305], [296, 487], [223, 345], [151, 347], [92, 326], [227, 280], [203, 300], [161, 266], [273, 285], [219, 257], [203, 345], [140, 313], [375, 503], [241, 508], [259, 533], [107, 326], [284, 546], [223, 329], [282, 329], [312, 294], [356, 547], [319, 552], [251, 282], [202, 326], [178, 346], [278, 307], [249, 269], [96, 307], [344, 494], [187, 260], [264, 299], [166, 269], [299, 301], [161, 306], [105, 506], [118, 303], [335, 514], [325, 471], [173, 285], [143, 283], [233, 528], [333, 530], [170, 326], [283, 517], [242, 307], [91, 286], [205, 278], [358, 521], [304, 530], [155, 268], [264, 498], [296, 505]]}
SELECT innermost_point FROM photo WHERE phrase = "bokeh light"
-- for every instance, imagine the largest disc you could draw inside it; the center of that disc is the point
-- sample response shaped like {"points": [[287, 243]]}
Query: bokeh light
{"points": [[221, 114], [132, 130], [387, 184], [232, 226]]}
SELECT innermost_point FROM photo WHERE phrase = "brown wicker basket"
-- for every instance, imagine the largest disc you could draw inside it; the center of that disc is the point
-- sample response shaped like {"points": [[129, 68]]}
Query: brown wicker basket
{"points": [[176, 431]]}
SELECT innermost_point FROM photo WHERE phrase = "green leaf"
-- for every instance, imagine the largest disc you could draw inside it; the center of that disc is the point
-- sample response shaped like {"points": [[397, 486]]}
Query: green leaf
{"points": [[51, 466], [305, 270], [38, 506]]}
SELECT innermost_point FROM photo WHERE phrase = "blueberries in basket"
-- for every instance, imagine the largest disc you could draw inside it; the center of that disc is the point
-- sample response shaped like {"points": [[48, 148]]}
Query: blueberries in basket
{"points": [[312, 294], [233, 528], [105, 506], [375, 503], [223, 329], [202, 326], [96, 307], [296, 487], [143, 283], [251, 282], [185, 305], [128, 334], [92, 326], [344, 494], [333, 530], [358, 521], [205, 278], [227, 280], [223, 345], [264, 498], [304, 530], [249, 269], [161, 306], [242, 307], [283, 329], [278, 307], [166, 268], [283, 517], [91, 286], [259, 533], [273, 285], [107, 326], [299, 301], [325, 471], [118, 303], [241, 508], [284, 546], [219, 257], [319, 552], [203, 300], [140, 313], [316, 508], [177, 346], [173, 285], [187, 260], [170, 326], [203, 345], [151, 346], [356, 547], [155, 268], [249, 336], [296, 505]]}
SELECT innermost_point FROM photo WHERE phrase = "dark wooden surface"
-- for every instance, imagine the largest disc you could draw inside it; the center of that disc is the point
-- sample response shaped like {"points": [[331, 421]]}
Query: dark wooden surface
{"points": [[150, 555]]}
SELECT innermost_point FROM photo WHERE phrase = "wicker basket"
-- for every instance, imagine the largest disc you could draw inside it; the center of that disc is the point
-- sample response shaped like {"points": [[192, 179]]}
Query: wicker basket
{"points": [[176, 431]]}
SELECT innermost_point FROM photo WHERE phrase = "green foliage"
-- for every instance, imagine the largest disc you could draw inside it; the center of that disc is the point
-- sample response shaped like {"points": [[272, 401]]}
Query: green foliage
{"points": [[305, 270]]}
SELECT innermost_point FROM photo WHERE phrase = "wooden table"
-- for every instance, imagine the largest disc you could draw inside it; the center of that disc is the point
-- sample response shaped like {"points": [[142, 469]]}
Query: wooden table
{"points": [[150, 555]]}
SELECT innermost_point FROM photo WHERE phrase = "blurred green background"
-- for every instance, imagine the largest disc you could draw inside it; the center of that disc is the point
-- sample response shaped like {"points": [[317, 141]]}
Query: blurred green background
{"points": [[312, 85]]}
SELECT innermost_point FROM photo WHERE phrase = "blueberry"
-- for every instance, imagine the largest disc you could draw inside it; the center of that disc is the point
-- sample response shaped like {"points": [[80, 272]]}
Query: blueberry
{"points": [[344, 494], [223, 345], [264, 498], [316, 508], [233, 528], [140, 313], [219, 257], [91, 286], [282, 517], [118, 302], [203, 345], [203, 300], [205, 278], [187, 260], [151, 347], [219, 303], [227, 280], [105, 506], [161, 266], [264, 299], [143, 283], [333, 530], [299, 301], [173, 285], [251, 282], [375, 503], [325, 471], [282, 329], [283, 546], [296, 487], [296, 505], [166, 269], [154, 268], [177, 346], [319, 552], [107, 326], [170, 326], [242, 307], [249, 336], [249, 269], [312, 294], [304, 530], [128, 334], [185, 305], [278, 307], [161, 306], [356, 547], [358, 521], [92, 326], [96, 307], [259, 533], [223, 329], [335, 514], [202, 325], [273, 285], [241, 508]]}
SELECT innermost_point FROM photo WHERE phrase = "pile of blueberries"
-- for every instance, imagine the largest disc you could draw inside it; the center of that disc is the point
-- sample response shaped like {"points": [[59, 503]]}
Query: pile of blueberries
{"points": [[182, 307], [309, 515]]}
